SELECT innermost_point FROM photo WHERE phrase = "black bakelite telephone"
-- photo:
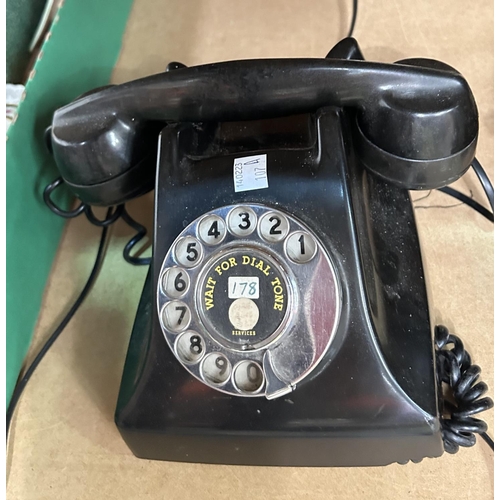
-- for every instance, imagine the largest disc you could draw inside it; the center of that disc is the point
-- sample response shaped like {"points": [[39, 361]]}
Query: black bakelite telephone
{"points": [[285, 317]]}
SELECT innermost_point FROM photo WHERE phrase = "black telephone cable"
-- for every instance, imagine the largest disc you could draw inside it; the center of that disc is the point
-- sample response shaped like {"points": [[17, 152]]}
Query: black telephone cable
{"points": [[18, 390], [485, 182], [141, 232], [455, 369], [468, 201], [353, 18], [487, 187], [118, 212]]}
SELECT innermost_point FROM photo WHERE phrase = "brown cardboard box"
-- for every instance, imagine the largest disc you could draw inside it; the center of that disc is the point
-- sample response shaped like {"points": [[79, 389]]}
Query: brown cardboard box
{"points": [[64, 442]]}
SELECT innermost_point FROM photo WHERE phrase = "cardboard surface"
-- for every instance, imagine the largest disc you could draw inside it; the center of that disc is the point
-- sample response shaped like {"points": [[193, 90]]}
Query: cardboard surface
{"points": [[64, 442]]}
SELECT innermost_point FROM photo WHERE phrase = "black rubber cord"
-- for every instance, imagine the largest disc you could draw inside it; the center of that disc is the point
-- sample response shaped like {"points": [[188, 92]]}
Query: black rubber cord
{"points": [[488, 440], [485, 182], [18, 390], [67, 214], [111, 217], [141, 232], [353, 18], [468, 201], [454, 369], [488, 189]]}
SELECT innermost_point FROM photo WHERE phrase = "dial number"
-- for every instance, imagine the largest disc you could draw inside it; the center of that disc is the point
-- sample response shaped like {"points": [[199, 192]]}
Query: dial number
{"points": [[243, 287], [176, 316], [212, 229], [216, 368], [248, 377], [245, 221], [195, 346], [221, 363], [253, 374], [242, 221], [180, 284], [191, 252], [190, 347], [175, 282], [274, 227], [300, 247], [188, 251], [183, 310]]}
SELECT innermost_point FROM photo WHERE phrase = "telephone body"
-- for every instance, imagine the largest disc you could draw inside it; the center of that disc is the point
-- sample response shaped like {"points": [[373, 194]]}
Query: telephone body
{"points": [[285, 318]]}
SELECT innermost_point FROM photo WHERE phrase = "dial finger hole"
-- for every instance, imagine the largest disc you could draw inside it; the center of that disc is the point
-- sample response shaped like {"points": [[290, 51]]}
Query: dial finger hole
{"points": [[176, 316], [188, 251], [212, 229], [216, 368], [242, 221], [248, 377], [190, 347], [273, 227], [300, 247], [175, 282]]}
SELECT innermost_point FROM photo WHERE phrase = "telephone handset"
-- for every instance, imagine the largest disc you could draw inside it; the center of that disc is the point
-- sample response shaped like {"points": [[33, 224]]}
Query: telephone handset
{"points": [[285, 308], [416, 122]]}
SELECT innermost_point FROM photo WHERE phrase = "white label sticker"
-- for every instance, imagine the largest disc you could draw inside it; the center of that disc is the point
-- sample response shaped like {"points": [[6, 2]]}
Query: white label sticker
{"points": [[243, 287], [250, 172]]}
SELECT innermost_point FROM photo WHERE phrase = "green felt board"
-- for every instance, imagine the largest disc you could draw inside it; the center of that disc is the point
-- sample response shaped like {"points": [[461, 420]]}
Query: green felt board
{"points": [[79, 55], [21, 21]]}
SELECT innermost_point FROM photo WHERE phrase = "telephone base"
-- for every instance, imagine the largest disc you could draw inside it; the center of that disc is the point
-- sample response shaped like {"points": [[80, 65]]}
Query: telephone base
{"points": [[175, 417], [373, 398]]}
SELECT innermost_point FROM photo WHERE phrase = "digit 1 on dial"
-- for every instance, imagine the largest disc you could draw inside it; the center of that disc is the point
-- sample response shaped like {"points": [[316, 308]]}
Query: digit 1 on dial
{"points": [[300, 247]]}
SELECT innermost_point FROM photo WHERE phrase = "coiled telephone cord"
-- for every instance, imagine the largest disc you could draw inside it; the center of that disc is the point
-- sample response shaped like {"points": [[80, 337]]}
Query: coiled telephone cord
{"points": [[455, 370]]}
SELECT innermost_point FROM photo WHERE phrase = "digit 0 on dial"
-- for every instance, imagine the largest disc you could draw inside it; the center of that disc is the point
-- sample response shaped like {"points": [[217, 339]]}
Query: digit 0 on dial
{"points": [[248, 377], [248, 300]]}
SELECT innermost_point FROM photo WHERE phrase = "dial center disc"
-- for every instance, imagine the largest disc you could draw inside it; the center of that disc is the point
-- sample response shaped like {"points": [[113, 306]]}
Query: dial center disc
{"points": [[243, 298]]}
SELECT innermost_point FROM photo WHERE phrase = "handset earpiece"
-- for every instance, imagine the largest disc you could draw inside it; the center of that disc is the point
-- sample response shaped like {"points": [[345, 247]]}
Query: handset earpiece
{"points": [[374, 137], [417, 121], [422, 143]]}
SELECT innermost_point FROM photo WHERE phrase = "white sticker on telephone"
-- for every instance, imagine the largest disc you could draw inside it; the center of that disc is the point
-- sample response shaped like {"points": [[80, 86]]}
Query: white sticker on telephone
{"points": [[250, 172], [246, 287]]}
